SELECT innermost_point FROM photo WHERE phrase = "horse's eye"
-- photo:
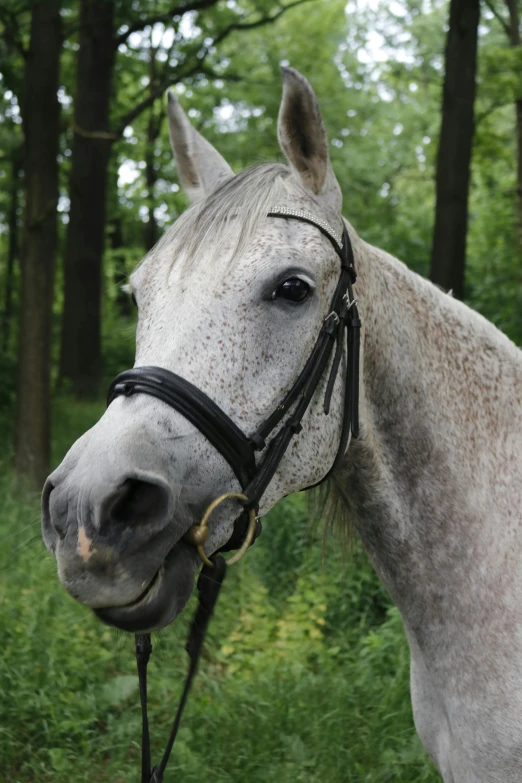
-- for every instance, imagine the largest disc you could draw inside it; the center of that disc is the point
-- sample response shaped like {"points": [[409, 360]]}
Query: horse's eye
{"points": [[293, 290]]}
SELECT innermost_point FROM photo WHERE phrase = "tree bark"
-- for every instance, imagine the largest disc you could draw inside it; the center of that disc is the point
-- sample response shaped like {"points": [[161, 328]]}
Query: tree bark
{"points": [[518, 117], [515, 41], [153, 131], [81, 360], [448, 257], [12, 250], [41, 125], [123, 300]]}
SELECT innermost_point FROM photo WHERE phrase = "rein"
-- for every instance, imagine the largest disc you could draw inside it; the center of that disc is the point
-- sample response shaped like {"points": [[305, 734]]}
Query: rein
{"points": [[340, 326]]}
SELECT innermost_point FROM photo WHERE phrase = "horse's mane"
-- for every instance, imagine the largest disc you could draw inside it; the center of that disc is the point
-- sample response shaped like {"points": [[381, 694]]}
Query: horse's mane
{"points": [[329, 506], [209, 227]]}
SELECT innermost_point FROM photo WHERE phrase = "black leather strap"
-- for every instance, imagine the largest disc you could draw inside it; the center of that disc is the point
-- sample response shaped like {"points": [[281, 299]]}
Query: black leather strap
{"points": [[209, 587], [143, 653], [196, 407], [345, 252]]}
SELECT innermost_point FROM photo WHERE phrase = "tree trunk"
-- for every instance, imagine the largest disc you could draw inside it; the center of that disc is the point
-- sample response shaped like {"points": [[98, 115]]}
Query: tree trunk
{"points": [[41, 124], [455, 147], [123, 300], [515, 41], [151, 226], [81, 360], [518, 112], [12, 251]]}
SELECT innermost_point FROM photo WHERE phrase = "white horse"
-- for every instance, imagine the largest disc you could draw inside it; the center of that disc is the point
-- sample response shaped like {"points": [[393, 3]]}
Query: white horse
{"points": [[233, 300]]}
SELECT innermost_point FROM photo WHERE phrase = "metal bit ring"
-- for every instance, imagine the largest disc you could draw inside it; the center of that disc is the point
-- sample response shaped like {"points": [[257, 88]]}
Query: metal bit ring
{"points": [[197, 535]]}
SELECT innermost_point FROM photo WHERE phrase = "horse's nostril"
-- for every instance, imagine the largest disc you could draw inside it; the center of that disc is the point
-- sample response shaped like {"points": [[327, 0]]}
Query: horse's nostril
{"points": [[52, 520], [138, 502]]}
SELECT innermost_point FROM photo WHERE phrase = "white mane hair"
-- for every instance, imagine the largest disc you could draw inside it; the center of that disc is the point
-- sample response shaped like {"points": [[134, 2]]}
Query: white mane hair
{"points": [[210, 225]]}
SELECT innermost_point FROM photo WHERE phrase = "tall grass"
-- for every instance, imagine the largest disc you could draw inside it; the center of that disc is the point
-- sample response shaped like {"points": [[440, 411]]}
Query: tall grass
{"points": [[304, 677]]}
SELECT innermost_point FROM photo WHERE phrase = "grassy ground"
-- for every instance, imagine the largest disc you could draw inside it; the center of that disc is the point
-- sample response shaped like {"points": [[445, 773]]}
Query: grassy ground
{"points": [[305, 676]]}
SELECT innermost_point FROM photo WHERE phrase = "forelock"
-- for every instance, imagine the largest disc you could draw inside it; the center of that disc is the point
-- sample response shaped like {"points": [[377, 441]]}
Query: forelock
{"points": [[226, 221]]}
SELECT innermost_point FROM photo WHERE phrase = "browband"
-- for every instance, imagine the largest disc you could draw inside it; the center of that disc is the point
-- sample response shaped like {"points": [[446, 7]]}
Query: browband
{"points": [[307, 217]]}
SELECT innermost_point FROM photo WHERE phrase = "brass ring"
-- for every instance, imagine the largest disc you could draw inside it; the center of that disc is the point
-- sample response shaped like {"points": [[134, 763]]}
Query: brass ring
{"points": [[197, 534]]}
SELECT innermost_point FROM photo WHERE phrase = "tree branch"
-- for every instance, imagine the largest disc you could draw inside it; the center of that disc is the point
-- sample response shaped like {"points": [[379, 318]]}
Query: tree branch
{"points": [[514, 22], [258, 23], [12, 35], [153, 95], [177, 10], [199, 66], [207, 70], [480, 117], [499, 18]]}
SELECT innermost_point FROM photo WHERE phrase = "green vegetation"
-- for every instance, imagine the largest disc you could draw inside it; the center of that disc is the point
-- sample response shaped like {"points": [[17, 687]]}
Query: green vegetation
{"points": [[304, 678]]}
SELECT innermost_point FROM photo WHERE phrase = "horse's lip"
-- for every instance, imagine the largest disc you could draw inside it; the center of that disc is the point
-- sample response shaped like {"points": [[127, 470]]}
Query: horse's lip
{"points": [[141, 614], [157, 605], [143, 595]]}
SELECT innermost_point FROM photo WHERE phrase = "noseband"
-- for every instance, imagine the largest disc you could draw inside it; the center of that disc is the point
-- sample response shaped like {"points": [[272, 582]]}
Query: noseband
{"points": [[340, 326]]}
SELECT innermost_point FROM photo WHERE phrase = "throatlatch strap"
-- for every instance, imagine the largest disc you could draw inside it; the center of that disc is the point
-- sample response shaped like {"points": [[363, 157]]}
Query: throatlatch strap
{"points": [[209, 586]]}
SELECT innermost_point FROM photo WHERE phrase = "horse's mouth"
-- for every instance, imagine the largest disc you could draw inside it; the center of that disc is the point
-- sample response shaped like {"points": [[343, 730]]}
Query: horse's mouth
{"points": [[143, 596], [161, 601]]}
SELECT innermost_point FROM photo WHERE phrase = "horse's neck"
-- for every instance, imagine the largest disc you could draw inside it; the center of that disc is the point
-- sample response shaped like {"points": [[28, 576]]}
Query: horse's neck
{"points": [[434, 480]]}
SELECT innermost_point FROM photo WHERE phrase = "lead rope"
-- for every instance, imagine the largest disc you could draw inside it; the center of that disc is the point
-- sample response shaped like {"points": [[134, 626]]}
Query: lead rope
{"points": [[209, 585], [143, 652]]}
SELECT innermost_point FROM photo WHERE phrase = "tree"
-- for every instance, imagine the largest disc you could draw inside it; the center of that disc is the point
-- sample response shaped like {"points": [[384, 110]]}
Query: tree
{"points": [[12, 58], [513, 30], [41, 120], [154, 124], [94, 137], [12, 249], [511, 27], [455, 147], [80, 358]]}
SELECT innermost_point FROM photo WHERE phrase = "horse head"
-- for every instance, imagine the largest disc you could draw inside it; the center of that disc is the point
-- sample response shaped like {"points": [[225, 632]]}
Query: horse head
{"points": [[231, 300]]}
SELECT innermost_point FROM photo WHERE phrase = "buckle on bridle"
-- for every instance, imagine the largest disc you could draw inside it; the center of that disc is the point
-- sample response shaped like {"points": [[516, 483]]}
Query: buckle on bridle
{"points": [[333, 315], [349, 302]]}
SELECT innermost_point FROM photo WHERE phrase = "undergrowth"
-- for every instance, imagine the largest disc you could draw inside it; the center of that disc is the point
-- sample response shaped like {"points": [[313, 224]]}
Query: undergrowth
{"points": [[304, 677]]}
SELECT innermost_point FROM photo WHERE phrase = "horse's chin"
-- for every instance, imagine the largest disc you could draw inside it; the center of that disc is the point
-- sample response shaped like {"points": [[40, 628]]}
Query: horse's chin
{"points": [[162, 600]]}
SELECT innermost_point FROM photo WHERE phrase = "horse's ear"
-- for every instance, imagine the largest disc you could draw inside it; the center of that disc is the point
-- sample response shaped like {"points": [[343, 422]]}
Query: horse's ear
{"points": [[303, 139], [201, 168]]}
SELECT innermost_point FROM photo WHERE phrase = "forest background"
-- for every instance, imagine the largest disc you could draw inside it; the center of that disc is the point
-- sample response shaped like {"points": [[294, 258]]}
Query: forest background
{"points": [[306, 671]]}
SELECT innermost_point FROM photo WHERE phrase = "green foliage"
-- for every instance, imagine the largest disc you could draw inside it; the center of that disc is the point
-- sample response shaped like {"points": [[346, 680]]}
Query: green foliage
{"points": [[306, 670], [7, 381], [304, 678]]}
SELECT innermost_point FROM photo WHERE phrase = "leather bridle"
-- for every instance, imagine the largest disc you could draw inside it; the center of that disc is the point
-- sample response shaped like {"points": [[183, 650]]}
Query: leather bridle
{"points": [[340, 327]]}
